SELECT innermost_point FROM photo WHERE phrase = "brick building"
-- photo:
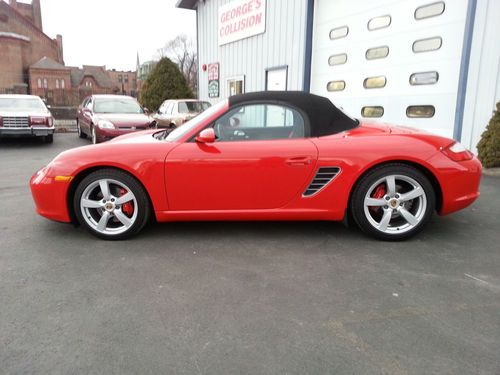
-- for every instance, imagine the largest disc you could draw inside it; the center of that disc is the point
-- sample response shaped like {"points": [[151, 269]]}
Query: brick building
{"points": [[125, 82], [23, 43]]}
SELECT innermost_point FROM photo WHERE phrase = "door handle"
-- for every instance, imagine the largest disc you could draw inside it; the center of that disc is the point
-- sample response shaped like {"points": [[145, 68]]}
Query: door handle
{"points": [[299, 161]]}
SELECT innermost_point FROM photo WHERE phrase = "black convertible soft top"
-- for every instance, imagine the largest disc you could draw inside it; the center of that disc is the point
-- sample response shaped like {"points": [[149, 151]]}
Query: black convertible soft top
{"points": [[324, 117]]}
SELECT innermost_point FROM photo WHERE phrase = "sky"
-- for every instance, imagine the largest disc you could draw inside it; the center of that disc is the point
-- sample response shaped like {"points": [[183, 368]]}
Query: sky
{"points": [[111, 32]]}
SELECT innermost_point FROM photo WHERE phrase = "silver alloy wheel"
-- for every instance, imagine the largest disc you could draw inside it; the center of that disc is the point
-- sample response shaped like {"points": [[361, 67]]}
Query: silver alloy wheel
{"points": [[94, 136], [400, 209], [101, 206]]}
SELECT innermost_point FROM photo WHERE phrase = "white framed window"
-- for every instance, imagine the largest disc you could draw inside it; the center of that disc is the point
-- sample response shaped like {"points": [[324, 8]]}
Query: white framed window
{"points": [[372, 111], [62, 83], [235, 85], [377, 53], [45, 85], [39, 83], [339, 59], [379, 22], [375, 82], [420, 111], [339, 32], [335, 85], [427, 45], [424, 78], [57, 83], [429, 10]]}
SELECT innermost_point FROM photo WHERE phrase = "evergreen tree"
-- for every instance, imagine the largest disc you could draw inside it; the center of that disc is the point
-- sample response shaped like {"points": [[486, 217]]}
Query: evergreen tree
{"points": [[164, 82], [489, 145]]}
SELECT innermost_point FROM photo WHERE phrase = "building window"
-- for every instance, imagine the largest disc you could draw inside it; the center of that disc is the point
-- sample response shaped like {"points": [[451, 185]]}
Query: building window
{"points": [[39, 83], [377, 53], [379, 22], [57, 83], [45, 85], [424, 78], [236, 85], [337, 59], [126, 79], [375, 82], [62, 83], [335, 86], [372, 111], [429, 10], [420, 111], [426, 45], [339, 32], [120, 78]]}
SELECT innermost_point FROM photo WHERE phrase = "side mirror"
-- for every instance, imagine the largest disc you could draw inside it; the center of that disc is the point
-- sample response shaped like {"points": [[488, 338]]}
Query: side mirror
{"points": [[146, 110], [206, 136], [48, 106]]}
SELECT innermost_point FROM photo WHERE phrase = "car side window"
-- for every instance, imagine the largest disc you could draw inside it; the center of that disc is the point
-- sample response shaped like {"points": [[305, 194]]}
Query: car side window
{"points": [[260, 122], [89, 104]]}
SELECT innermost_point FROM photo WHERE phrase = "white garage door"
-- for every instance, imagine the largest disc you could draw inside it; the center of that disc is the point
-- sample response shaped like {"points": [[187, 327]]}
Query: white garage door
{"points": [[390, 61]]}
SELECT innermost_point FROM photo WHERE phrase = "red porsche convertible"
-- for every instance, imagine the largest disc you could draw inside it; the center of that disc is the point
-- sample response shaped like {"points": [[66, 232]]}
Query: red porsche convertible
{"points": [[262, 156]]}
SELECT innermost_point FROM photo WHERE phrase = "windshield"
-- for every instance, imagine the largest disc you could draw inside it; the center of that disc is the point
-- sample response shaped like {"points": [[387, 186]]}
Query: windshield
{"points": [[188, 126], [20, 104], [193, 107], [117, 106]]}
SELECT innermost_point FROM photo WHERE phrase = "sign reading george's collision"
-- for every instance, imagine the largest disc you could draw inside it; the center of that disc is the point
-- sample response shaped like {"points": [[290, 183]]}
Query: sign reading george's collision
{"points": [[241, 19]]}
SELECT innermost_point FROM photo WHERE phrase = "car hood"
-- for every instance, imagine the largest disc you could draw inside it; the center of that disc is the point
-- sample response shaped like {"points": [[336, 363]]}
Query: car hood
{"points": [[124, 118], [24, 113]]}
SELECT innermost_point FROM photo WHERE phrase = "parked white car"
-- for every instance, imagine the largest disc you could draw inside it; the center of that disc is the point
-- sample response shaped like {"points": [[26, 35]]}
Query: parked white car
{"points": [[176, 112], [25, 116]]}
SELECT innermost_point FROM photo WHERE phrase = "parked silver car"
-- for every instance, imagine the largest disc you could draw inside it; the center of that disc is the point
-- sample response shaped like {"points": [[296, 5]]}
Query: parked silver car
{"points": [[25, 116], [175, 112]]}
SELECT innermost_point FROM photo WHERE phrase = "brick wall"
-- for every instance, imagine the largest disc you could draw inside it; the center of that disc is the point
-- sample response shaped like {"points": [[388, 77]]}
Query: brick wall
{"points": [[124, 79]]}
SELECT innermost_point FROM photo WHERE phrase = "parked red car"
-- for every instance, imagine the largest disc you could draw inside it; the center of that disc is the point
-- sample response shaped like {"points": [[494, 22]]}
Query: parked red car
{"points": [[102, 117], [262, 156]]}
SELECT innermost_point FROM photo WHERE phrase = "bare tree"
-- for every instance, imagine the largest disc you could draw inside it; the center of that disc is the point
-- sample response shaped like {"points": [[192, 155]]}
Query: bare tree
{"points": [[182, 51]]}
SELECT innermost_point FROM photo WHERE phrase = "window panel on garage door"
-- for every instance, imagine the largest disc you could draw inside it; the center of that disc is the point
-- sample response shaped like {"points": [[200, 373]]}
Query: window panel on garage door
{"points": [[427, 77]]}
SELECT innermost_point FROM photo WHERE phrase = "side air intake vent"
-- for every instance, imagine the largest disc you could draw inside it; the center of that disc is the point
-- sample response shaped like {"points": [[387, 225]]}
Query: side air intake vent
{"points": [[323, 177]]}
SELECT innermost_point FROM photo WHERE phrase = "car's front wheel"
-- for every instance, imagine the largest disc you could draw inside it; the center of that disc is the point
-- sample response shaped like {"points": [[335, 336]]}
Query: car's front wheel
{"points": [[111, 204], [93, 135], [393, 202], [81, 134]]}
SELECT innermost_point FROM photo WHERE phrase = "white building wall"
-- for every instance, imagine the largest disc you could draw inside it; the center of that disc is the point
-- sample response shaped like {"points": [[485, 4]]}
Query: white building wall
{"points": [[483, 85], [283, 43]]}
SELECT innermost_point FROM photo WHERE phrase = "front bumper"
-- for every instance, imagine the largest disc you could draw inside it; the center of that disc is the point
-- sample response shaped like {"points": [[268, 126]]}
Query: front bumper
{"points": [[50, 196], [104, 134], [460, 185], [26, 131]]}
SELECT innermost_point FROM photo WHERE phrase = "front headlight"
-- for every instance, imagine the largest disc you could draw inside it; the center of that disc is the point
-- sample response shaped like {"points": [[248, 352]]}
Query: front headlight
{"points": [[105, 124]]}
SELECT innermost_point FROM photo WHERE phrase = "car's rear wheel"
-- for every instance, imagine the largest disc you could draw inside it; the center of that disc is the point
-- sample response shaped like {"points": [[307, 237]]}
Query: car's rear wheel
{"points": [[393, 202], [111, 204], [81, 134]]}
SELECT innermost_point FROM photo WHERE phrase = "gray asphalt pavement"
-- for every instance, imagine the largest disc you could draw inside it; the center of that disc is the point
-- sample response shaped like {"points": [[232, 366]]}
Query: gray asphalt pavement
{"points": [[243, 298]]}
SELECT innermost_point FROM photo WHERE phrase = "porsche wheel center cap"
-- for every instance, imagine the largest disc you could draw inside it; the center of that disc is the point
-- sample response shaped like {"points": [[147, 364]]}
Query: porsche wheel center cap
{"points": [[393, 203], [109, 207]]}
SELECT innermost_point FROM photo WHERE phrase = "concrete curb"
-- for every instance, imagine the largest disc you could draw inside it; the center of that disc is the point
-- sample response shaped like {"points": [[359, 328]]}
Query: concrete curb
{"points": [[491, 172]]}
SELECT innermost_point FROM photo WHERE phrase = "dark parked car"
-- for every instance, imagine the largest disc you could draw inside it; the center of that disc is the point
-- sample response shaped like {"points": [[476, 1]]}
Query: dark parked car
{"points": [[103, 117], [25, 116]]}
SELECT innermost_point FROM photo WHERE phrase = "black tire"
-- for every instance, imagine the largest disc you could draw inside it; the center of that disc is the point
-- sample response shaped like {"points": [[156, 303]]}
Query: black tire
{"points": [[48, 138], [141, 205], [81, 134], [406, 179]]}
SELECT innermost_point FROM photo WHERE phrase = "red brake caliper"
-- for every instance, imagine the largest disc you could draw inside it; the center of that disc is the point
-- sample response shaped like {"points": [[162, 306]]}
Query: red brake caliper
{"points": [[128, 207], [378, 193]]}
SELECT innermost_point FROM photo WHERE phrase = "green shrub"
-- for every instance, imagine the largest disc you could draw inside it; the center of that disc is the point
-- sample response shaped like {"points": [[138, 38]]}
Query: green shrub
{"points": [[165, 82], [489, 145]]}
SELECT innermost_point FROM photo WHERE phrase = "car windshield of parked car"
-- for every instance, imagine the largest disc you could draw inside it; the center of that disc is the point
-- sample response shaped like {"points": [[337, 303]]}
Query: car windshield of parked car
{"points": [[190, 125], [21, 104], [117, 106], [193, 107]]}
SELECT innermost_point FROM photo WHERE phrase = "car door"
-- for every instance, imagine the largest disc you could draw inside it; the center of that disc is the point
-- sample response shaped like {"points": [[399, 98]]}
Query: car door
{"points": [[86, 117], [262, 159]]}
